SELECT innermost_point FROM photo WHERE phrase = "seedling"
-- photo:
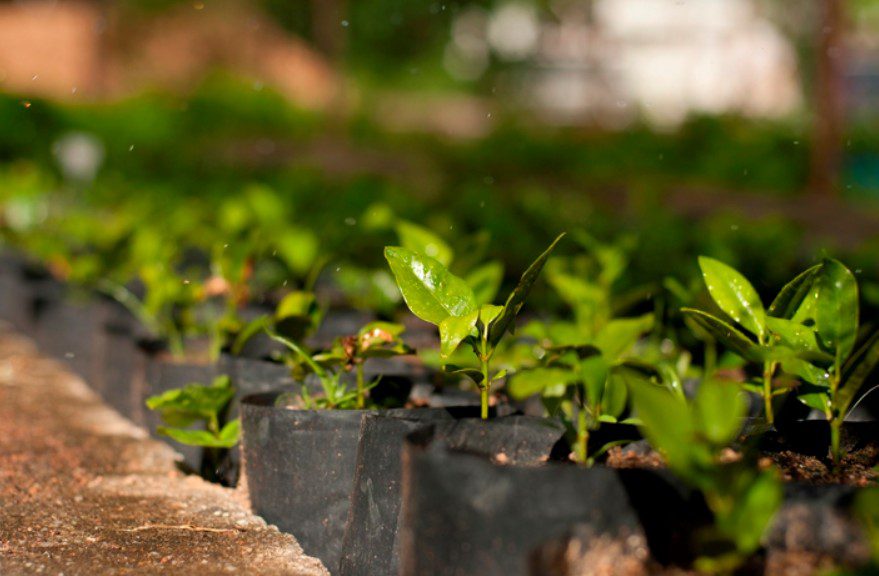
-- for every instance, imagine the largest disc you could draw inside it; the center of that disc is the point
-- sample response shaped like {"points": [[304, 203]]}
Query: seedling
{"points": [[586, 385], [375, 340], [693, 437], [180, 409], [822, 303], [183, 407], [437, 296], [768, 338]]}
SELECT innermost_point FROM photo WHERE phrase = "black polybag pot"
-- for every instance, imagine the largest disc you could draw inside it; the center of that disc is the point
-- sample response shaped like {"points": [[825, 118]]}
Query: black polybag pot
{"points": [[464, 514], [299, 466], [371, 543]]}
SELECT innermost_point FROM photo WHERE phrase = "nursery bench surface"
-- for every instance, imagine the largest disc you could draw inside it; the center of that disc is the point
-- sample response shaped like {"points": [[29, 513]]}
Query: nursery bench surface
{"points": [[84, 491]]}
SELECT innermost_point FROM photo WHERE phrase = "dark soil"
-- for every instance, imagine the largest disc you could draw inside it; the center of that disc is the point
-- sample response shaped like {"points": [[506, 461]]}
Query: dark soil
{"points": [[857, 467]]}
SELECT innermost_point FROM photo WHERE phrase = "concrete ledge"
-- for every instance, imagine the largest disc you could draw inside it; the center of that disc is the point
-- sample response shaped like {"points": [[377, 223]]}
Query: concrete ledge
{"points": [[84, 491]]}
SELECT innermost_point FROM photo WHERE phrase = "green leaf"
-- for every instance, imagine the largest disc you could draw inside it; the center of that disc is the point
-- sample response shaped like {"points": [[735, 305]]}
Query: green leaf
{"points": [[184, 406], [486, 281], [836, 312], [753, 511], [203, 438], [792, 335], [454, 329], [856, 370], [616, 394], [594, 373], [419, 239], [667, 424], [295, 304], [517, 299], [620, 335], [471, 373], [734, 295], [815, 397], [719, 408], [529, 382], [725, 333], [791, 297], [429, 289], [488, 313]]}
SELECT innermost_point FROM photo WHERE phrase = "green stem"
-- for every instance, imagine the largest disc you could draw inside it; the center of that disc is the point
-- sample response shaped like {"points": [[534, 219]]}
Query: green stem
{"points": [[768, 369], [485, 387], [361, 393], [835, 448], [582, 449]]}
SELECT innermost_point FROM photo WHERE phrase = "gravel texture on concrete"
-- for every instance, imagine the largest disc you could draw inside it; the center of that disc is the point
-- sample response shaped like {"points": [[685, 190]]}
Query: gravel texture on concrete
{"points": [[84, 491]]}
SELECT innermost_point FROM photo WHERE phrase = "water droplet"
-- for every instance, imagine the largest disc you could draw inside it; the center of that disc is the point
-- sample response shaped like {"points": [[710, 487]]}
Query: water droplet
{"points": [[131, 148], [26, 103], [35, 77], [344, 23], [350, 221]]}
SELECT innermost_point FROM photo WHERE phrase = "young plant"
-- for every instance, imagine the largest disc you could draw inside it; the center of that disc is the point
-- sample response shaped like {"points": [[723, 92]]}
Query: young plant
{"points": [[375, 340], [196, 403], [296, 316], [693, 437], [822, 303], [766, 337], [437, 296], [586, 385], [183, 407]]}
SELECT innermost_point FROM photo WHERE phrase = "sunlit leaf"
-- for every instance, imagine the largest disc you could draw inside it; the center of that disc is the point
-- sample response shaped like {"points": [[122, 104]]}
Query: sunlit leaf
{"points": [[733, 294], [429, 289]]}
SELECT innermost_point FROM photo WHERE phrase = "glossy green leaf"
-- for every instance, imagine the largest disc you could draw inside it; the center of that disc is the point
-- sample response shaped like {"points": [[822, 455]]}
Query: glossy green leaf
{"points": [[725, 333], [517, 299], [792, 335], [419, 239], [719, 408], [454, 329], [791, 297], [527, 383], [486, 281], [429, 289], [620, 335], [836, 312], [815, 397], [734, 295]]}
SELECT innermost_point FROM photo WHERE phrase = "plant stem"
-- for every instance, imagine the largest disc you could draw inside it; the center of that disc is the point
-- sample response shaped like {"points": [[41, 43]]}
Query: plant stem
{"points": [[768, 369], [835, 448], [581, 450], [710, 357], [485, 387], [361, 394]]}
